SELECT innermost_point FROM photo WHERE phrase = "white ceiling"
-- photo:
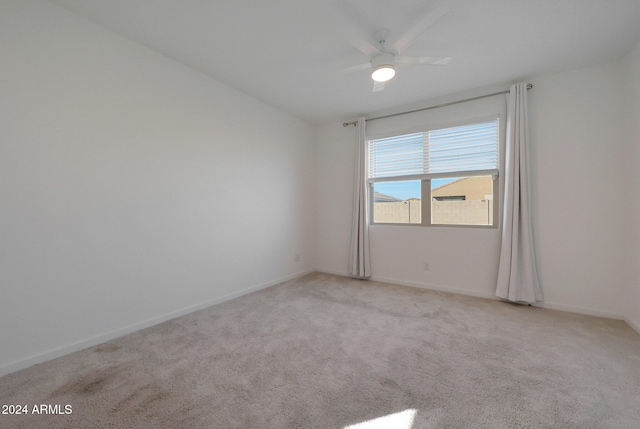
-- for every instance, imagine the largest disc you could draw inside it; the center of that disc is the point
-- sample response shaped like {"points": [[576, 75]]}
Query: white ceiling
{"points": [[288, 53]]}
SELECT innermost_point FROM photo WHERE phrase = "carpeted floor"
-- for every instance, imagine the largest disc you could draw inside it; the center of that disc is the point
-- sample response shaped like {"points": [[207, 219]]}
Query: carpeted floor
{"points": [[329, 352]]}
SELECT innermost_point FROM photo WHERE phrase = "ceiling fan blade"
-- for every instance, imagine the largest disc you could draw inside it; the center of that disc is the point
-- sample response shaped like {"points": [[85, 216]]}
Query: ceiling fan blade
{"points": [[360, 43], [355, 68], [431, 61], [420, 27], [351, 22], [378, 86]]}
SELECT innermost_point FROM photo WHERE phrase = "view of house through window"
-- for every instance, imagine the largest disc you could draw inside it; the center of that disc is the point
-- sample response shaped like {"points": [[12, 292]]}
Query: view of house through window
{"points": [[440, 177], [454, 201], [463, 201]]}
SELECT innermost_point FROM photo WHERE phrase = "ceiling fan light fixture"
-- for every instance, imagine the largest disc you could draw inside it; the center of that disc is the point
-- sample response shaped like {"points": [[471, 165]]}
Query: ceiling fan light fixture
{"points": [[382, 67], [383, 73]]}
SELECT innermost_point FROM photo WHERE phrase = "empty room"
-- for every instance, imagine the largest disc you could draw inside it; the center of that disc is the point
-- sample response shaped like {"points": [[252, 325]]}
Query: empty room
{"points": [[343, 214]]}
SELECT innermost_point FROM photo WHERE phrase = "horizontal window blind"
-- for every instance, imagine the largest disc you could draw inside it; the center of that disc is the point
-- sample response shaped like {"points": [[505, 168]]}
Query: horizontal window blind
{"points": [[463, 150]]}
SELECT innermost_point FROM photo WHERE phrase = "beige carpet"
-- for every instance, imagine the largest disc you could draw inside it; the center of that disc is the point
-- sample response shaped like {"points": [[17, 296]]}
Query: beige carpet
{"points": [[329, 352]]}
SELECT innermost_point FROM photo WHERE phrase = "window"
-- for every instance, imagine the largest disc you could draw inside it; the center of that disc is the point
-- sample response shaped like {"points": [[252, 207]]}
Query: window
{"points": [[445, 176]]}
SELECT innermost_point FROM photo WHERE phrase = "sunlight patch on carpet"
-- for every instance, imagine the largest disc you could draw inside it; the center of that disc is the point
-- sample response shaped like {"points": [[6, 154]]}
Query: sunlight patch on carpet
{"points": [[401, 420]]}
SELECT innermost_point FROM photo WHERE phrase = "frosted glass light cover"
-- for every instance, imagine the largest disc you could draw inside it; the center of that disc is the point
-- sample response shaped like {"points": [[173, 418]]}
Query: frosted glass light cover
{"points": [[383, 73]]}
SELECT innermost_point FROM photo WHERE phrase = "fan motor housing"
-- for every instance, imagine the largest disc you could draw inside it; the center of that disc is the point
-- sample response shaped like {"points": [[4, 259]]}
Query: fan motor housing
{"points": [[383, 60]]}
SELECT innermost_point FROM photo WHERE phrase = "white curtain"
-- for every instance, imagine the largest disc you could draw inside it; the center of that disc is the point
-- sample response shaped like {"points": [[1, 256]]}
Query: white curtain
{"points": [[359, 259], [517, 274]]}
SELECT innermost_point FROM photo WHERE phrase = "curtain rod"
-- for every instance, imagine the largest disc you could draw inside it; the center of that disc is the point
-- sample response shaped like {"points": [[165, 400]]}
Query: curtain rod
{"points": [[346, 124]]}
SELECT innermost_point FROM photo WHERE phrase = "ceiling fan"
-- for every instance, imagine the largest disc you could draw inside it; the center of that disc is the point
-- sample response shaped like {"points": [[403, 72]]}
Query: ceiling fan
{"points": [[383, 60]]}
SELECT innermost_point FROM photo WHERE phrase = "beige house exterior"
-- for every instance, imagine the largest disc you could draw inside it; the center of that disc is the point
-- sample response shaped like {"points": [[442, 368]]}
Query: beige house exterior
{"points": [[466, 201], [472, 188]]}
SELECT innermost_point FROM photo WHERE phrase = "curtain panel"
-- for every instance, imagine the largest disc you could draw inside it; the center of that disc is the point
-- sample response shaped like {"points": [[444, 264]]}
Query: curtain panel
{"points": [[359, 258], [517, 273]]}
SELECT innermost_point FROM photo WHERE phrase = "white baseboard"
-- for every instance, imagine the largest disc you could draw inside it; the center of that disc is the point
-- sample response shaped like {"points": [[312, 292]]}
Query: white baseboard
{"points": [[99, 339], [582, 310], [633, 325], [429, 286], [333, 272], [551, 306], [417, 285]]}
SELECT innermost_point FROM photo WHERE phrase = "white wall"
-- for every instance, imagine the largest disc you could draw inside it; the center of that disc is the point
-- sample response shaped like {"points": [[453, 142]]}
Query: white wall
{"points": [[577, 136], [132, 188], [631, 165], [576, 129], [335, 155]]}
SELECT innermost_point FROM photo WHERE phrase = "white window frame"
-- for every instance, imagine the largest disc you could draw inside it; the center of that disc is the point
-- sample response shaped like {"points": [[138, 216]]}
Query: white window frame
{"points": [[426, 197]]}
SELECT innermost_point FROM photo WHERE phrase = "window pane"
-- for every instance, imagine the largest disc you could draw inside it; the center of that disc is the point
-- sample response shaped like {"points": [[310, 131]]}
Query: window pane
{"points": [[462, 201], [397, 202]]}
